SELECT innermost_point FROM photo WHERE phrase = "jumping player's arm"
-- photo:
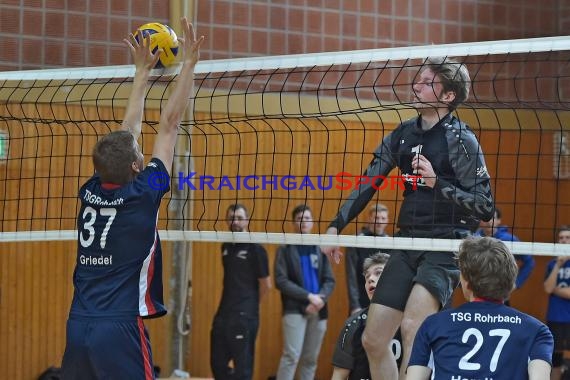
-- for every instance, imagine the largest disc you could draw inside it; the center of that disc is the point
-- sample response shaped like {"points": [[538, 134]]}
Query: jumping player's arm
{"points": [[381, 165], [466, 158], [144, 61], [171, 116]]}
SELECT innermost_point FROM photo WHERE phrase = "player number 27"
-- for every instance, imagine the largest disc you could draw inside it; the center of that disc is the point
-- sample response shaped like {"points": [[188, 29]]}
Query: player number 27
{"points": [[91, 213], [465, 364]]}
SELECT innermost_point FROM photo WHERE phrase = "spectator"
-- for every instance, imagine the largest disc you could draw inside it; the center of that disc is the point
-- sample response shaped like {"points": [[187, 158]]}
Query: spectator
{"points": [[304, 276], [557, 285]]}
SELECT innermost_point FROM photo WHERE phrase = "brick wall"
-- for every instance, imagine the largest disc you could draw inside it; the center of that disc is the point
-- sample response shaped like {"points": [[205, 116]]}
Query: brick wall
{"points": [[564, 17], [238, 28], [64, 33]]}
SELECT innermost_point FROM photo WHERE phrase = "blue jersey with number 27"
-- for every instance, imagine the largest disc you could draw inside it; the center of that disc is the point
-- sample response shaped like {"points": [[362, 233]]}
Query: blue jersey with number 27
{"points": [[118, 272], [481, 340]]}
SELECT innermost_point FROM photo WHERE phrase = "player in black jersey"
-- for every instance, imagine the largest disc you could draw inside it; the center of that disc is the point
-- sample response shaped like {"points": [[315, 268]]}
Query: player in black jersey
{"points": [[450, 199], [118, 273], [246, 282], [483, 338], [349, 358]]}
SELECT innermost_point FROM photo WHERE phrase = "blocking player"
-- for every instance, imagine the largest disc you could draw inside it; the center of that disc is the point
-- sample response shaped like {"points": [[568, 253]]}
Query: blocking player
{"points": [[118, 274], [453, 194], [557, 285], [349, 358], [246, 282], [483, 339]]}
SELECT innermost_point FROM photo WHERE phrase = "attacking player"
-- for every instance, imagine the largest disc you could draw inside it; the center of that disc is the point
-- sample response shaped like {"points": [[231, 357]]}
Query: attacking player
{"points": [[483, 339], [453, 194], [118, 273]]}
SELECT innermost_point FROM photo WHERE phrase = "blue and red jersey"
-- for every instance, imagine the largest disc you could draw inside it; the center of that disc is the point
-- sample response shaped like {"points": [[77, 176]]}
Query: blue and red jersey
{"points": [[481, 340], [118, 270]]}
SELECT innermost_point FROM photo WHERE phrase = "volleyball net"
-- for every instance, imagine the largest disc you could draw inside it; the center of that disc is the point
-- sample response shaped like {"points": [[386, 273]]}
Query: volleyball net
{"points": [[275, 132]]}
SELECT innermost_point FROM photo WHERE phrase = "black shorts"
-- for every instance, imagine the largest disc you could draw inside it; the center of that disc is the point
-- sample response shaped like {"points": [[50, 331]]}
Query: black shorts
{"points": [[435, 271], [561, 334]]}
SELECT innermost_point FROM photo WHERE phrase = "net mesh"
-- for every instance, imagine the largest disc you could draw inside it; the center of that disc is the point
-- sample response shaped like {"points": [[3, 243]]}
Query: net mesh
{"points": [[276, 132]]}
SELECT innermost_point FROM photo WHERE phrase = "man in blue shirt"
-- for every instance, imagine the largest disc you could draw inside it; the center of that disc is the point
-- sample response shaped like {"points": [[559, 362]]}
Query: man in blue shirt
{"points": [[495, 228], [305, 279], [483, 338], [557, 285], [118, 274]]}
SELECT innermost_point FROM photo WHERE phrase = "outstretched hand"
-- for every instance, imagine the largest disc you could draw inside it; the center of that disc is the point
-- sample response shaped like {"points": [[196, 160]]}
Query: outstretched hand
{"points": [[140, 50], [332, 252], [190, 45]]}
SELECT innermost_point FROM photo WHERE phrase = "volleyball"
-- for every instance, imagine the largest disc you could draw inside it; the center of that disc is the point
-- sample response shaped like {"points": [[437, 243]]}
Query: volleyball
{"points": [[161, 37]]}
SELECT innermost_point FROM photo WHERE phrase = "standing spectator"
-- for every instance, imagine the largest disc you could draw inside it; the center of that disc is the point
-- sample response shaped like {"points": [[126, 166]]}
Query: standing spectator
{"points": [[304, 276], [246, 281], [355, 283], [483, 338], [557, 285], [495, 228]]}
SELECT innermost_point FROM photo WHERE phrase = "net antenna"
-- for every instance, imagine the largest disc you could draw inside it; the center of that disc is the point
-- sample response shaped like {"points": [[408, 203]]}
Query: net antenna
{"points": [[275, 132]]}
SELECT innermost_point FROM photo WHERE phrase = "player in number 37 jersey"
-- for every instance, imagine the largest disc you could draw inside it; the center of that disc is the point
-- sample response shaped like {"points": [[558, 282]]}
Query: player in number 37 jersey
{"points": [[482, 339], [118, 273], [127, 271]]}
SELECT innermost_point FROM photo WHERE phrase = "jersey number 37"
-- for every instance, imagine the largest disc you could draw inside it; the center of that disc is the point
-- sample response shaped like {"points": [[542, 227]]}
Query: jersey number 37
{"points": [[89, 217]]}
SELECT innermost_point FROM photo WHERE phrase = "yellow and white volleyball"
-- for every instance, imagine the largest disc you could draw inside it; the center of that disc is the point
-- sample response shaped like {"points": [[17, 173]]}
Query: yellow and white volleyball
{"points": [[161, 37]]}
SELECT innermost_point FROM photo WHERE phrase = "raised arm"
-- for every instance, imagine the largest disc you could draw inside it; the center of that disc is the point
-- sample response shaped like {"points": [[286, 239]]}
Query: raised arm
{"points": [[466, 157], [380, 166], [171, 115], [144, 61]]}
